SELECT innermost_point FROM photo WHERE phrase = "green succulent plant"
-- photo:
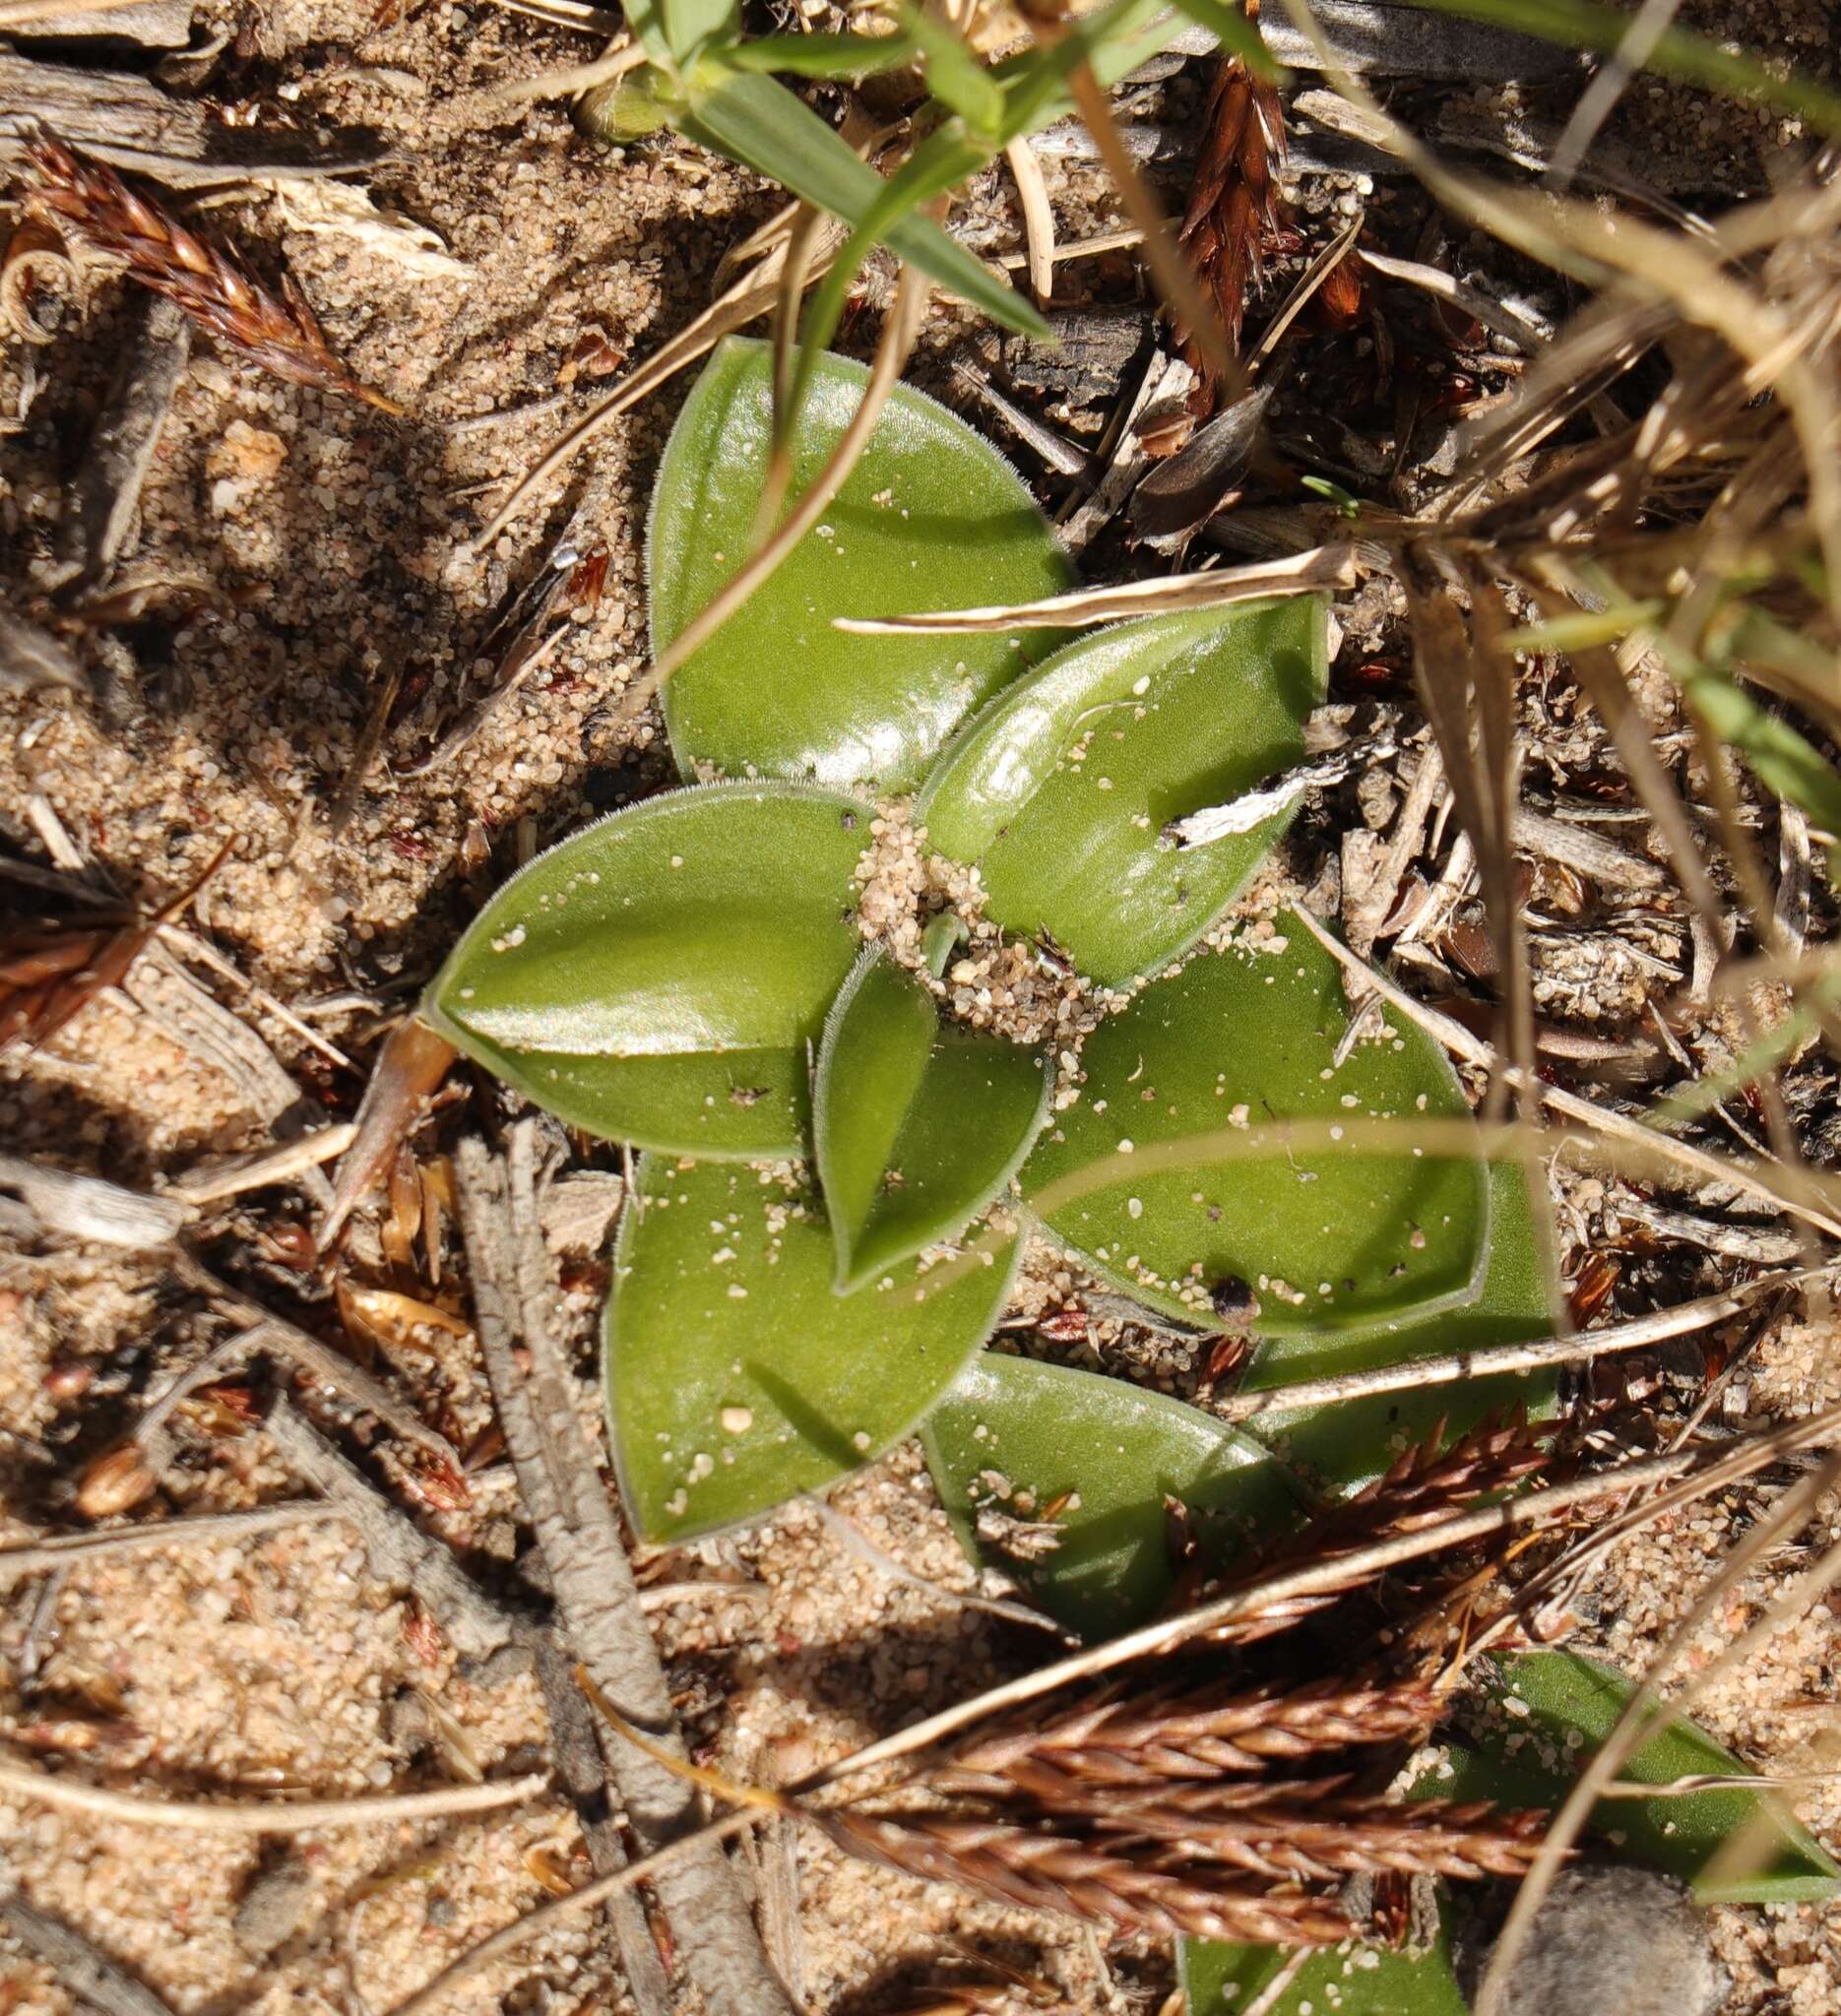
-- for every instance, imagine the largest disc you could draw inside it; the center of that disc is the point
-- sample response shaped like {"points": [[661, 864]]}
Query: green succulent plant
{"points": [[839, 1173]]}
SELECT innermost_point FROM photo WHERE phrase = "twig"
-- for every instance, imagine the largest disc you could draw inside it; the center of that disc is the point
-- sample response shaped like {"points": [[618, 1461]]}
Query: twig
{"points": [[1495, 1360], [266, 1816], [82, 1970], [400, 1554], [597, 1601], [204, 1529]]}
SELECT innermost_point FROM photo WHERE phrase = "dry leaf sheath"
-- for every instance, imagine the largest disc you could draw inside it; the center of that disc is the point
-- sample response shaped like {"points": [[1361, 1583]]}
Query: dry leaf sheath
{"points": [[1233, 204], [283, 335]]}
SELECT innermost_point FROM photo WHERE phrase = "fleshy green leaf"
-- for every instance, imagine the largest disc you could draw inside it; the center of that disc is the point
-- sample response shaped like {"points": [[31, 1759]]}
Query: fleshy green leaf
{"points": [[737, 1378], [1349, 1443], [1059, 792], [1345, 1980], [1013, 1437], [760, 123], [1147, 1180], [931, 510], [1730, 1847], [658, 977], [917, 1123]]}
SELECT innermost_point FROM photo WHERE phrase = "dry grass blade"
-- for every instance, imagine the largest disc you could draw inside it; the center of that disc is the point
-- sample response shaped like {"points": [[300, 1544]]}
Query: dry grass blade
{"points": [[283, 335], [1233, 205], [1320, 570], [1061, 1873]]}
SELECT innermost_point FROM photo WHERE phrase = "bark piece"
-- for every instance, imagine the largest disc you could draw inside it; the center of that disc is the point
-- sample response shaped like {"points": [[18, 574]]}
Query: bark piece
{"points": [[132, 124], [597, 1601]]}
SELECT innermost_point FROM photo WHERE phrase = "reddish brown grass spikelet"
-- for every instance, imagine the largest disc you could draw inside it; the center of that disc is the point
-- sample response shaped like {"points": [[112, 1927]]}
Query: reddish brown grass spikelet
{"points": [[85, 201], [1234, 205]]}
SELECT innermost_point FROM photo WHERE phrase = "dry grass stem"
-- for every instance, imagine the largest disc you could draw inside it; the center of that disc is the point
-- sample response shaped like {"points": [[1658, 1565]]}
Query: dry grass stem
{"points": [[266, 1816]]}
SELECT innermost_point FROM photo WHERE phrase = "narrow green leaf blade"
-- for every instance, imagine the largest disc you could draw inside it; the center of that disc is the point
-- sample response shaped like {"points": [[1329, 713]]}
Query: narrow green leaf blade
{"points": [[931, 509], [1146, 1181], [1349, 1443], [1347, 1980], [1675, 52], [917, 1123], [1014, 1436], [1734, 1847], [761, 124], [677, 30], [658, 977], [737, 1378], [1786, 762], [1059, 792], [955, 76], [1236, 35], [821, 55]]}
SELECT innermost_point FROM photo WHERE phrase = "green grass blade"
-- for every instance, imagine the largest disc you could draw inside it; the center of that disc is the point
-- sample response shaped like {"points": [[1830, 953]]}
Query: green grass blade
{"points": [[828, 56], [760, 123], [1236, 35], [955, 76], [1679, 52]]}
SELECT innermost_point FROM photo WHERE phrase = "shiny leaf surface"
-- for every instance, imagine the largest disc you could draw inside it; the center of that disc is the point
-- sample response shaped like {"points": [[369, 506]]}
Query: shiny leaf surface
{"points": [[657, 978], [1351, 1980], [1059, 792], [1015, 1439], [1208, 1148], [736, 1377], [1353, 1440], [930, 512], [1731, 1847], [917, 1123]]}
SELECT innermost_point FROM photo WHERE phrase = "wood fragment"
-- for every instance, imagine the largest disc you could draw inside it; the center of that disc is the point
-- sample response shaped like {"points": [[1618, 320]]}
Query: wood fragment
{"points": [[82, 1970], [200, 1529], [106, 500], [597, 1601], [92, 1208], [129, 122]]}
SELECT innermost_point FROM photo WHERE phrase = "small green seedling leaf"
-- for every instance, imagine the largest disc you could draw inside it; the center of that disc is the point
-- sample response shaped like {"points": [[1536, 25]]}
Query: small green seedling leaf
{"points": [[676, 31], [1344, 1980], [757, 121], [1015, 1438], [1786, 762], [1061, 790], [658, 977], [1354, 1441], [955, 76], [929, 511], [837, 56], [917, 1123], [736, 1377], [1147, 1180], [1553, 1709]]}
